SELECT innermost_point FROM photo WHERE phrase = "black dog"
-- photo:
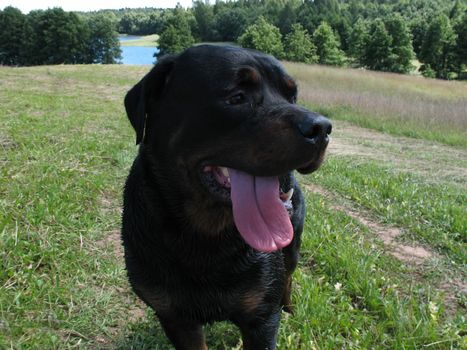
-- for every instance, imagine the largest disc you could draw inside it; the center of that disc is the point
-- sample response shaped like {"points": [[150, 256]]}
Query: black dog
{"points": [[212, 213]]}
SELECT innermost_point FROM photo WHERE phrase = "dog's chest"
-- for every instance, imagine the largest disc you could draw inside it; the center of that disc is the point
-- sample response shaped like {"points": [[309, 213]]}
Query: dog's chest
{"points": [[214, 295], [204, 302]]}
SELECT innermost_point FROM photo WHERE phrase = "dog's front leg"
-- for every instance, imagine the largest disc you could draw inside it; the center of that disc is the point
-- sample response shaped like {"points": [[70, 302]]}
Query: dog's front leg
{"points": [[261, 332], [184, 335]]}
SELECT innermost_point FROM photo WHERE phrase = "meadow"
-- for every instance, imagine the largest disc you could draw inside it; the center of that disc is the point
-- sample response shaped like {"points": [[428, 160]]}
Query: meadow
{"points": [[383, 258], [146, 40], [399, 104]]}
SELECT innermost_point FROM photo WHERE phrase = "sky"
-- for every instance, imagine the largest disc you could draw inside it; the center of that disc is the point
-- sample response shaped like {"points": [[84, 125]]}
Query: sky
{"points": [[86, 5]]}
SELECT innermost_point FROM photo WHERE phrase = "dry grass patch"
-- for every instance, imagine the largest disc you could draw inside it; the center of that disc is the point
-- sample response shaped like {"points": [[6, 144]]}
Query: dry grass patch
{"points": [[147, 40], [400, 104]]}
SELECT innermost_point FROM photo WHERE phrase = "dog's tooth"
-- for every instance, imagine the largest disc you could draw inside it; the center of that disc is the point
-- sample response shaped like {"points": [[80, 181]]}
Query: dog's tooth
{"points": [[225, 171], [287, 196]]}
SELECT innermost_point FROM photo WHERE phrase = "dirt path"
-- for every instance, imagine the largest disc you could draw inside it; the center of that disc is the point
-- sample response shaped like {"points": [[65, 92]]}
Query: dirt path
{"points": [[435, 162], [388, 234]]}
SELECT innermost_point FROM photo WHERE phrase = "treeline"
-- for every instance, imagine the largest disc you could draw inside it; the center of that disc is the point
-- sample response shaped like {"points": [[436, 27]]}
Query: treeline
{"points": [[54, 36], [385, 35], [135, 21]]}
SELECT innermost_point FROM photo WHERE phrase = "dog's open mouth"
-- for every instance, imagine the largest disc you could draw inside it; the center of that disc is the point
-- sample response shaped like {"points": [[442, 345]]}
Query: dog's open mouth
{"points": [[260, 205]]}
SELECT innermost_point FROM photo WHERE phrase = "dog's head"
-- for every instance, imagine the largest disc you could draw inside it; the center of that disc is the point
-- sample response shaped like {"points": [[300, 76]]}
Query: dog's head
{"points": [[222, 130]]}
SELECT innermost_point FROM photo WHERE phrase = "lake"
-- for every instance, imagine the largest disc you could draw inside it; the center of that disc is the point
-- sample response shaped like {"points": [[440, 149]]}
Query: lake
{"points": [[136, 54]]}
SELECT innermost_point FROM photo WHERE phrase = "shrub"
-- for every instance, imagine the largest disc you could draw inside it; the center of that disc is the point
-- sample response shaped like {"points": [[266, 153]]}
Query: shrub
{"points": [[298, 45], [264, 37]]}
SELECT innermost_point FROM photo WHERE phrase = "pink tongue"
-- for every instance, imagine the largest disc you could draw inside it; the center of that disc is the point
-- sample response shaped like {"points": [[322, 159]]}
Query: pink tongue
{"points": [[259, 214]]}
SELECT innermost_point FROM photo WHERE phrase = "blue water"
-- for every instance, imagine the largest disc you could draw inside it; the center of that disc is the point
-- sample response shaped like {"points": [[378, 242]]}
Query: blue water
{"points": [[137, 54]]}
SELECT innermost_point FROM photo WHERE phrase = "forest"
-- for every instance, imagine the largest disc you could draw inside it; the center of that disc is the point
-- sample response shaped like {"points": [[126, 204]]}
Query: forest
{"points": [[385, 35], [55, 36]]}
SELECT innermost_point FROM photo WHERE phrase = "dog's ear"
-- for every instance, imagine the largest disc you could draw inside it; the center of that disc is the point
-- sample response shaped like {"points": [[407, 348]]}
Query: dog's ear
{"points": [[151, 85]]}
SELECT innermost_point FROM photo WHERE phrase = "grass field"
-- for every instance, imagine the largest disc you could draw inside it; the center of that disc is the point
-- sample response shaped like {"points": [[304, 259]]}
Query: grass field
{"points": [[147, 40], [398, 104], [383, 263]]}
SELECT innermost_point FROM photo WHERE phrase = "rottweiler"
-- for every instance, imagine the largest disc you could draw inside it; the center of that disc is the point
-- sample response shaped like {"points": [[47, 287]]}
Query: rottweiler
{"points": [[212, 213]]}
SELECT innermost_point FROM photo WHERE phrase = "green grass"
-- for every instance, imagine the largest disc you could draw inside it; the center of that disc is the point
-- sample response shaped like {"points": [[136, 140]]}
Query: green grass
{"points": [[350, 296], [432, 213], [65, 150], [147, 40]]}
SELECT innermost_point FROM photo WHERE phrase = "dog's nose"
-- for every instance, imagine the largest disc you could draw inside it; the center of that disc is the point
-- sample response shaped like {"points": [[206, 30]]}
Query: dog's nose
{"points": [[315, 128]]}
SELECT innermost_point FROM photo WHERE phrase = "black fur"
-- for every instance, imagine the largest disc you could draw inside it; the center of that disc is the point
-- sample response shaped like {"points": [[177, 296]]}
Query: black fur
{"points": [[184, 255]]}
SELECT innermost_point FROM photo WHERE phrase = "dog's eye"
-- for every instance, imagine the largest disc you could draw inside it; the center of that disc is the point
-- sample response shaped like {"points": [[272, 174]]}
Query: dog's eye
{"points": [[236, 99]]}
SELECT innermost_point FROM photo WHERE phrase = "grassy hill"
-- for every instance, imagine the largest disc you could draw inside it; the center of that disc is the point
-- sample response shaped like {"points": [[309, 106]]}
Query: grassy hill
{"points": [[383, 263]]}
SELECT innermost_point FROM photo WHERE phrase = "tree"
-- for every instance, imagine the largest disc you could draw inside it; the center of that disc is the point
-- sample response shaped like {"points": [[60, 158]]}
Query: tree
{"points": [[457, 11], [438, 48], [327, 6], [328, 10], [127, 23], [287, 18], [419, 27], [401, 45], [54, 36], [137, 21], [33, 40], [57, 37], [103, 43], [343, 29], [174, 40], [461, 45], [327, 46], [11, 22], [358, 39], [156, 22], [177, 36], [377, 48], [204, 16], [229, 24], [298, 45], [427, 71], [263, 36], [307, 17]]}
